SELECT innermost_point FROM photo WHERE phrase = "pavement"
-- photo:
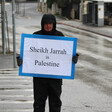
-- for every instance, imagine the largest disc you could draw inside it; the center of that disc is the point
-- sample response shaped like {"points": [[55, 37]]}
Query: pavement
{"points": [[6, 61], [16, 93]]}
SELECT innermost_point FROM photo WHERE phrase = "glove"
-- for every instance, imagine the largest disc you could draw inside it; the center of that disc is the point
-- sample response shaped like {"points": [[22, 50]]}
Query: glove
{"points": [[19, 61], [75, 58]]}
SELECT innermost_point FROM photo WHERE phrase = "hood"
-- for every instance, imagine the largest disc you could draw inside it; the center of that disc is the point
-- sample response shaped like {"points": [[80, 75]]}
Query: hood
{"points": [[48, 18]]}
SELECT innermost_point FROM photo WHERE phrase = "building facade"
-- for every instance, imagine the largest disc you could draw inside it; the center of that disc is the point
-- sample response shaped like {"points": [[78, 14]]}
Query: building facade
{"points": [[97, 11]]}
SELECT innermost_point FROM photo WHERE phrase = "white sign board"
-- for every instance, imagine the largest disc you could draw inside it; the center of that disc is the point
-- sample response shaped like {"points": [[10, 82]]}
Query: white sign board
{"points": [[47, 56]]}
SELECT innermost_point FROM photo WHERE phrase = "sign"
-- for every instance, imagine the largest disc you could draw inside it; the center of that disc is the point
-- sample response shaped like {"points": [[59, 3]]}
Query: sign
{"points": [[47, 56], [101, 12]]}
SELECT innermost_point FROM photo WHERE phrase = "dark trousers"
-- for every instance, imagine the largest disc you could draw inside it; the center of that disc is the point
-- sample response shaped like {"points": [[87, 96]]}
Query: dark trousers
{"points": [[47, 88]]}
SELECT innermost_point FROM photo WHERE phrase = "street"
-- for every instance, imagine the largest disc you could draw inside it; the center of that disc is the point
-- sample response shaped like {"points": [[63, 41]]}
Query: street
{"points": [[90, 91]]}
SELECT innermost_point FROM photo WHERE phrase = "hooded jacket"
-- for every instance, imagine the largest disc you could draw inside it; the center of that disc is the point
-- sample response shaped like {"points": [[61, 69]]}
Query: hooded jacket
{"points": [[49, 18]]}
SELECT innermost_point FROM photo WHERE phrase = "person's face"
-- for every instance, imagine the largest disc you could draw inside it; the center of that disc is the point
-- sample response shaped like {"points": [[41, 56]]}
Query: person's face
{"points": [[48, 27]]}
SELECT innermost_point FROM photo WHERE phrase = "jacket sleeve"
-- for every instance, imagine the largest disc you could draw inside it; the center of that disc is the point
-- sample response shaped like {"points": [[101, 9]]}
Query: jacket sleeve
{"points": [[37, 32], [58, 33]]}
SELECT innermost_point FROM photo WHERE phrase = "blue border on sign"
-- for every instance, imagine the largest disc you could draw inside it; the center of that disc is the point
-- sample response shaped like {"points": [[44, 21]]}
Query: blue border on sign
{"points": [[23, 36]]}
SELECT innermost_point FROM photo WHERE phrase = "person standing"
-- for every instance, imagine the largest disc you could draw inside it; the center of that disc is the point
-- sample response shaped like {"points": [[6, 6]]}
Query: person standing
{"points": [[47, 87]]}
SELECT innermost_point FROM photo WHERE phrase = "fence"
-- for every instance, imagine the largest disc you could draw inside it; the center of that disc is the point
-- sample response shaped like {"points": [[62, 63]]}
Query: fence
{"points": [[7, 40]]}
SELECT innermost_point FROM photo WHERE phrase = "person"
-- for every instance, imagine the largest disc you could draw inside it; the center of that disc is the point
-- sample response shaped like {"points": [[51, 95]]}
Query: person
{"points": [[47, 87]]}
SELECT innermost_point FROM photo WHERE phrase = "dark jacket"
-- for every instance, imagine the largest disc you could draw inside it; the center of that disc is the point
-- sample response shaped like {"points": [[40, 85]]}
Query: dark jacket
{"points": [[49, 18], [55, 33], [47, 87]]}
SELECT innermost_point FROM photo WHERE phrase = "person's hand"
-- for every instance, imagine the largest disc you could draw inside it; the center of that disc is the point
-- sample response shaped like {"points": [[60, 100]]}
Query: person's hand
{"points": [[19, 61], [75, 58]]}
